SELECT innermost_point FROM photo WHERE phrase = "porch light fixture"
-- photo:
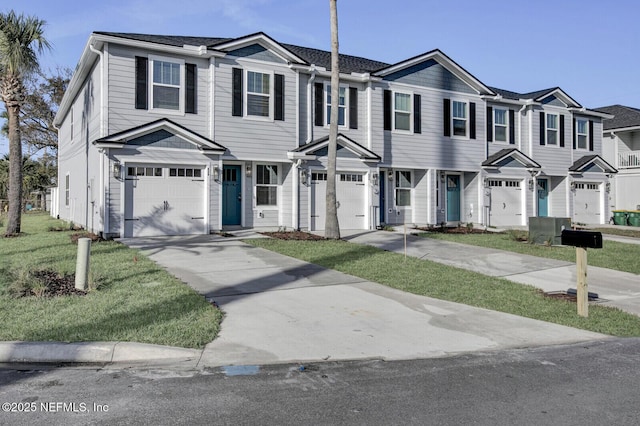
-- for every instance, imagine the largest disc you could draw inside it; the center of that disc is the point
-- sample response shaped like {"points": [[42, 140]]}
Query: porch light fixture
{"points": [[248, 170], [573, 185], [216, 173], [607, 186], [116, 170], [374, 179], [531, 184], [304, 175], [442, 176], [486, 182], [390, 174]]}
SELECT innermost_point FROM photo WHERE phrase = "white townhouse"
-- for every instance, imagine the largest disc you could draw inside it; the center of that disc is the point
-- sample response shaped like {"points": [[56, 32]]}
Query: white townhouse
{"points": [[168, 135]]}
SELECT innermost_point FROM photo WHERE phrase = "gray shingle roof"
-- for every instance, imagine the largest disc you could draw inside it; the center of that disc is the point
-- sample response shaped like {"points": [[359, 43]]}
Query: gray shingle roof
{"points": [[584, 161], [321, 58], [492, 160], [624, 117]]}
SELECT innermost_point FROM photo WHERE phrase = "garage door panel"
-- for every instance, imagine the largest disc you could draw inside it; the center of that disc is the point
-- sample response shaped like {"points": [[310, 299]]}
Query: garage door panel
{"points": [[350, 197], [587, 203], [506, 202], [170, 202]]}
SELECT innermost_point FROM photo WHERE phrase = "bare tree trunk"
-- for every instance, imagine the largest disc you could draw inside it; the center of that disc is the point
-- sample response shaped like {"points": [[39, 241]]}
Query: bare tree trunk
{"points": [[15, 172], [332, 227]]}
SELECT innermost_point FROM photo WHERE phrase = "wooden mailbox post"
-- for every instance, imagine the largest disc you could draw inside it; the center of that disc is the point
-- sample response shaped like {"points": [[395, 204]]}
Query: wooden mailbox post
{"points": [[582, 240]]}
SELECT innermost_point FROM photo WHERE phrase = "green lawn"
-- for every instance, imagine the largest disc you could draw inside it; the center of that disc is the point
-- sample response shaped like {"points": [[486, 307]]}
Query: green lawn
{"points": [[448, 283], [613, 255], [135, 301], [624, 232]]}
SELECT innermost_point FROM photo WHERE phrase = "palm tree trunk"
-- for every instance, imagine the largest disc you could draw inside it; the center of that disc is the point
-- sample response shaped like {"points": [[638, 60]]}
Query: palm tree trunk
{"points": [[15, 172], [332, 227]]}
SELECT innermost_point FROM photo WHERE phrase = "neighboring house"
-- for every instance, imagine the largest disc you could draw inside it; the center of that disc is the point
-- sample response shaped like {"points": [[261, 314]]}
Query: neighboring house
{"points": [[166, 135], [621, 147]]}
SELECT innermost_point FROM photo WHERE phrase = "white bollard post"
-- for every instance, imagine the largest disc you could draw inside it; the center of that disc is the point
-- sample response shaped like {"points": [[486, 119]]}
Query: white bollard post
{"points": [[82, 263]]}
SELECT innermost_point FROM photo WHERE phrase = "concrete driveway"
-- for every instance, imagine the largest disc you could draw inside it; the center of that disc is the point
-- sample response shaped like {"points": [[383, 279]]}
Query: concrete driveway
{"points": [[279, 309]]}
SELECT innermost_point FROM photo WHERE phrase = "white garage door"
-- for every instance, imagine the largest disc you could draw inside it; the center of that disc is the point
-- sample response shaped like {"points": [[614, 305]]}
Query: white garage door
{"points": [[350, 195], [506, 202], [164, 201], [586, 204]]}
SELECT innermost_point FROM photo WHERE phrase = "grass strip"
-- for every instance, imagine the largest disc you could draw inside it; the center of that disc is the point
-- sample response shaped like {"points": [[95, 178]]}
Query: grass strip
{"points": [[136, 300], [444, 282]]}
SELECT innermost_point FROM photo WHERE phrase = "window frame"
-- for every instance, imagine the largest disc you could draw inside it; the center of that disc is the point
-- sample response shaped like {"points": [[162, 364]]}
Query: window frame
{"points": [[397, 187], [465, 119], [548, 129], [67, 189], [327, 105], [270, 96], [275, 185], [395, 111], [505, 125], [181, 88], [584, 134]]}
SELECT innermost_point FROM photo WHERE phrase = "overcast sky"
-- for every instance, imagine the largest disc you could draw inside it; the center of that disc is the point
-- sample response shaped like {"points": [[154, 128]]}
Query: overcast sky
{"points": [[588, 48]]}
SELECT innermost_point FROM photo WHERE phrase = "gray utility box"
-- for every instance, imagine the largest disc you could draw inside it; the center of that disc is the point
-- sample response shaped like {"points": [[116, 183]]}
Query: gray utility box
{"points": [[545, 230]]}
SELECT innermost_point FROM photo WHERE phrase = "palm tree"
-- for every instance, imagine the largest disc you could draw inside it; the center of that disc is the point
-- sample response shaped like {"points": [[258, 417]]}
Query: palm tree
{"points": [[21, 39], [331, 226]]}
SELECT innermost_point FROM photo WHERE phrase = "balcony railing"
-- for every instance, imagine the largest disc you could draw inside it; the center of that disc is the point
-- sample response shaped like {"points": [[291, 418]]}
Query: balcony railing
{"points": [[629, 160]]}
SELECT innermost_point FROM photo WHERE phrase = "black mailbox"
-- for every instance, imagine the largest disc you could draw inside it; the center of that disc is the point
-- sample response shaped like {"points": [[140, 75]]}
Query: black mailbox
{"points": [[585, 239]]}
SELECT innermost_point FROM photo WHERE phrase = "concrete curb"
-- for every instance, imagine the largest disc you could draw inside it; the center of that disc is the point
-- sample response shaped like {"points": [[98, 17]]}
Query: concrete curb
{"points": [[94, 352]]}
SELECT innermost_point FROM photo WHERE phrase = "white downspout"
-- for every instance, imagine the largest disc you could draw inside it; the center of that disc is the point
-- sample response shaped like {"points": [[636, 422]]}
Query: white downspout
{"points": [[296, 198]]}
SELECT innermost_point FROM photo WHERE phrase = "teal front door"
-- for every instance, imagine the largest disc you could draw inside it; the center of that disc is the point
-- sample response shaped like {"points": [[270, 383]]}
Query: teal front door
{"points": [[231, 196], [543, 197], [453, 198]]}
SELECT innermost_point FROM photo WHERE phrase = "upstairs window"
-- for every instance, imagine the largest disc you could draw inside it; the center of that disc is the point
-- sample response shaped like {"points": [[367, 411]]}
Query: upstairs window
{"points": [[342, 105], [166, 84], [258, 94], [402, 111], [266, 185], [582, 134], [459, 118], [552, 129], [500, 124]]}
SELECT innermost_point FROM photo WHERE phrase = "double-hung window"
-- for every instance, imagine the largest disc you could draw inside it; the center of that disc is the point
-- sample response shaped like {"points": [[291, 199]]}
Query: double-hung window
{"points": [[402, 111], [342, 105], [582, 133], [166, 84], [66, 189], [258, 94], [266, 185], [500, 124], [403, 188], [459, 118], [552, 129]]}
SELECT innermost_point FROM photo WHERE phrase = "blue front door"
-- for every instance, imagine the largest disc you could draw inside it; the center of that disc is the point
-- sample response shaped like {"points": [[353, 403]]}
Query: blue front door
{"points": [[453, 198], [231, 196], [543, 197]]}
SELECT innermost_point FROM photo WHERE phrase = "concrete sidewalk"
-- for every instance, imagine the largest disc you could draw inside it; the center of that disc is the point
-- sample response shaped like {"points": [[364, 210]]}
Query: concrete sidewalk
{"points": [[615, 288]]}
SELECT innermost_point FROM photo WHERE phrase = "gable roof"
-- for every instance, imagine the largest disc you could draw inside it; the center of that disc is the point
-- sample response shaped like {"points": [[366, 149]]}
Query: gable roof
{"points": [[119, 140], [360, 151], [538, 95], [443, 60], [624, 117], [494, 160], [582, 163]]}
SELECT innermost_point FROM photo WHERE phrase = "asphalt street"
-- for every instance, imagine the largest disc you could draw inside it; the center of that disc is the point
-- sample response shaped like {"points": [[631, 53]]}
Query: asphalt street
{"points": [[581, 384]]}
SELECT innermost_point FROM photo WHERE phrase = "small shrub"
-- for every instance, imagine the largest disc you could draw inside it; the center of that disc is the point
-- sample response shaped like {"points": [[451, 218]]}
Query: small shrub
{"points": [[388, 228], [517, 235]]}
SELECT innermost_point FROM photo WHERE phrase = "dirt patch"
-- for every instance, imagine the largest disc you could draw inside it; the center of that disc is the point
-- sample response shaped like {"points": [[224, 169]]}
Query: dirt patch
{"points": [[569, 297], [454, 230], [48, 283], [93, 237], [293, 235]]}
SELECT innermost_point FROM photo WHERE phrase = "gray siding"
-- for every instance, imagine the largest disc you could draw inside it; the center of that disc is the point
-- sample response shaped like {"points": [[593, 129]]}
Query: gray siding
{"points": [[471, 209], [430, 74], [286, 188], [554, 159]]}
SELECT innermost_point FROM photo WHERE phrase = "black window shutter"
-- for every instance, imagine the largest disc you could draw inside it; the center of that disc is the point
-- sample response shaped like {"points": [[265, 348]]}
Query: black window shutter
{"points": [[574, 133], [446, 112], [278, 113], [543, 128], [512, 127], [472, 119], [353, 107], [387, 110], [417, 114], [319, 104], [489, 124], [590, 135], [190, 92], [236, 109], [141, 82], [561, 130]]}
